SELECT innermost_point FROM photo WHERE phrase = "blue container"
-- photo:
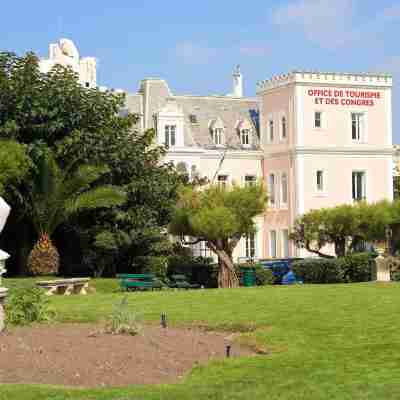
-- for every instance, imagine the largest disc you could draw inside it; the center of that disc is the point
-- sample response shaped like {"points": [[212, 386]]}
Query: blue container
{"points": [[281, 269]]}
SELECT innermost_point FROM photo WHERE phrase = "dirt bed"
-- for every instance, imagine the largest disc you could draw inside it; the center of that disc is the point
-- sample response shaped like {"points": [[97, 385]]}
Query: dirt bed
{"points": [[81, 355]]}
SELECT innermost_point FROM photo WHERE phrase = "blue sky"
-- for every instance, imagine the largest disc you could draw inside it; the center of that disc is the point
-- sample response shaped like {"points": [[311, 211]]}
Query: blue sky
{"points": [[195, 45]]}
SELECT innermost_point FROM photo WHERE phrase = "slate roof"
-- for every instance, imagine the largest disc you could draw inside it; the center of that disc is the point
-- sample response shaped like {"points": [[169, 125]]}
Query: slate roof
{"points": [[199, 112]]}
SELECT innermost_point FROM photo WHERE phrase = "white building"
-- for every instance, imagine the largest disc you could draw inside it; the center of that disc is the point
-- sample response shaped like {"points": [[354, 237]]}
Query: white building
{"points": [[66, 54]]}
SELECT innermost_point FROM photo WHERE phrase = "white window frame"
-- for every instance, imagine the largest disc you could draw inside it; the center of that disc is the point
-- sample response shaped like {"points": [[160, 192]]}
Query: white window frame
{"points": [[271, 132], [284, 203], [364, 185], [250, 182], [273, 251], [362, 133], [248, 247], [245, 133], [170, 131], [223, 182], [284, 241], [218, 136], [322, 119], [281, 125], [272, 193]]}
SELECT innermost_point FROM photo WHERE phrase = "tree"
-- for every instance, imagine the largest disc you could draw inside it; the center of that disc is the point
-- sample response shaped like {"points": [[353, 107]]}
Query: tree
{"points": [[56, 194], [221, 217], [344, 227], [86, 127], [14, 163]]}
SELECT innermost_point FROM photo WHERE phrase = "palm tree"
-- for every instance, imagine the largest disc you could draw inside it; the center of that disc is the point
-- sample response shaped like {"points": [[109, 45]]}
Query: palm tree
{"points": [[56, 194]]}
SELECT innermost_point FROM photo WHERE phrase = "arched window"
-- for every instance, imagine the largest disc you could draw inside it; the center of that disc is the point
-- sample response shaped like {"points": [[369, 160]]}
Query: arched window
{"points": [[284, 189], [217, 131], [244, 128]]}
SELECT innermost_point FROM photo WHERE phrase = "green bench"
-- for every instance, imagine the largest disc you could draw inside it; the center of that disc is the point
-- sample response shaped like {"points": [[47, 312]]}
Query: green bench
{"points": [[131, 282]]}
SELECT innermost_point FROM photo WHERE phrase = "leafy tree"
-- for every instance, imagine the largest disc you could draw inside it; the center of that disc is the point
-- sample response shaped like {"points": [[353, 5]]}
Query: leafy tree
{"points": [[14, 163], [56, 194], [344, 227], [86, 127], [221, 217]]}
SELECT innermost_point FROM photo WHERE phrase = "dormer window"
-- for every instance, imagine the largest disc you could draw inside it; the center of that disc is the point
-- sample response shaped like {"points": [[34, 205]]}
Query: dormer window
{"points": [[218, 136], [244, 128], [245, 136], [170, 135], [217, 131]]}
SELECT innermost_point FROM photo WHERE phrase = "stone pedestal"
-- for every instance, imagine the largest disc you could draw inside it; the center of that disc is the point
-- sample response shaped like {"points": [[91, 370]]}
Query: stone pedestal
{"points": [[382, 269], [3, 295]]}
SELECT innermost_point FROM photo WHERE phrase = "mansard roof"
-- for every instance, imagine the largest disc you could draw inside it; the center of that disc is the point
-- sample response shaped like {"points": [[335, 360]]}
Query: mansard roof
{"points": [[199, 112]]}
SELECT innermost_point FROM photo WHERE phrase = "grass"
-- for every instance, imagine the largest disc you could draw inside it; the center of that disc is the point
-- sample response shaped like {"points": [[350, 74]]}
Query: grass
{"points": [[324, 341]]}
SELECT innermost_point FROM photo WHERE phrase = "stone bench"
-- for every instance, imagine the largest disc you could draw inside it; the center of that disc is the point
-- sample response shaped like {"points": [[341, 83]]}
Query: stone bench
{"points": [[65, 287]]}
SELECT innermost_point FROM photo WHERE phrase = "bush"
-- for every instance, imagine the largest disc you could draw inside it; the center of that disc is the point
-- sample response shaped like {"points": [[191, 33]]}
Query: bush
{"points": [[123, 320], [356, 267], [156, 265], [263, 276], [318, 270], [200, 270], [27, 305]]}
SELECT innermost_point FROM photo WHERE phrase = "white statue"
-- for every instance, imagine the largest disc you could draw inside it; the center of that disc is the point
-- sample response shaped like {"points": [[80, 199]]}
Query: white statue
{"points": [[4, 213]]}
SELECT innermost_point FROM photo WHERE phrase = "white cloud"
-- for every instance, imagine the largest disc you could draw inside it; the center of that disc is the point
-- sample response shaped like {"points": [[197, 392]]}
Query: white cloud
{"points": [[193, 53], [326, 22]]}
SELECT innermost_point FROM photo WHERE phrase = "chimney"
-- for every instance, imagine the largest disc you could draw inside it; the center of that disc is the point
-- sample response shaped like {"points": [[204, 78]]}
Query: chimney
{"points": [[237, 83]]}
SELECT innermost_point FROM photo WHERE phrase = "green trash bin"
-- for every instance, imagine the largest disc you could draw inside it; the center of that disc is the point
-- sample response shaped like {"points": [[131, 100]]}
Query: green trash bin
{"points": [[249, 276]]}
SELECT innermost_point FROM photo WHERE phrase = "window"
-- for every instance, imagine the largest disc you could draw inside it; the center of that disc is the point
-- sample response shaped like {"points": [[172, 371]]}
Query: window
{"points": [[170, 135], [273, 244], [251, 246], [271, 189], [284, 188], [357, 126], [320, 181], [250, 180], [245, 136], [218, 136], [285, 243], [318, 119], [201, 249], [284, 126], [222, 180], [359, 185], [87, 84], [193, 118], [271, 130]]}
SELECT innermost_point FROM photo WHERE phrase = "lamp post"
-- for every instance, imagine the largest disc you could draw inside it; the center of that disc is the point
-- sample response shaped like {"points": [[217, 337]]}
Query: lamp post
{"points": [[388, 237]]}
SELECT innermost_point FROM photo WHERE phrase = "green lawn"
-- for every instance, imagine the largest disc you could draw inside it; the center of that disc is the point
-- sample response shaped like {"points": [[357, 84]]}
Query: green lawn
{"points": [[325, 342]]}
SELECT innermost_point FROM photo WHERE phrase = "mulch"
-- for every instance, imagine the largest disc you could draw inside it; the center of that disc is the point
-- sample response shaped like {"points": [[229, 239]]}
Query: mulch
{"points": [[83, 355]]}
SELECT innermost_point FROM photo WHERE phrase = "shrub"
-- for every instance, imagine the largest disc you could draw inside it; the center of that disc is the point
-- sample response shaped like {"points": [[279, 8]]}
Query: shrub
{"points": [[318, 270], [123, 320], [356, 267], [198, 270], [27, 305], [262, 276], [156, 265]]}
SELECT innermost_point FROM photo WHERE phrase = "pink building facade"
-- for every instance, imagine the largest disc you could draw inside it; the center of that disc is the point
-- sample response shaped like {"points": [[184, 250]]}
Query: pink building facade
{"points": [[327, 140]]}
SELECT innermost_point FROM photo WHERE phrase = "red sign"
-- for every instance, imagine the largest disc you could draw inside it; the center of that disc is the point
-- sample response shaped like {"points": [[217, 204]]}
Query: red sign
{"points": [[344, 97]]}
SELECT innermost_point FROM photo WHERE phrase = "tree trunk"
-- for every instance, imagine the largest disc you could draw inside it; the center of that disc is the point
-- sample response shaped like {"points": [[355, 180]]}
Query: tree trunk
{"points": [[227, 277]]}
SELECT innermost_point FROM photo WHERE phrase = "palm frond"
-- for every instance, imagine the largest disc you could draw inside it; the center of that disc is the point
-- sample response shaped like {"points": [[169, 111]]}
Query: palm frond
{"points": [[100, 197]]}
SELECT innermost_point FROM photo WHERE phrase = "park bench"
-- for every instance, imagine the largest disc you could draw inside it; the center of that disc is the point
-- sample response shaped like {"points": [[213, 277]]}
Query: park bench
{"points": [[65, 287], [130, 282]]}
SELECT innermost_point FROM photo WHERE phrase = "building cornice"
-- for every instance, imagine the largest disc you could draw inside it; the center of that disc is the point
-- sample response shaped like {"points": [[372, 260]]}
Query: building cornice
{"points": [[342, 151], [216, 154], [362, 80]]}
